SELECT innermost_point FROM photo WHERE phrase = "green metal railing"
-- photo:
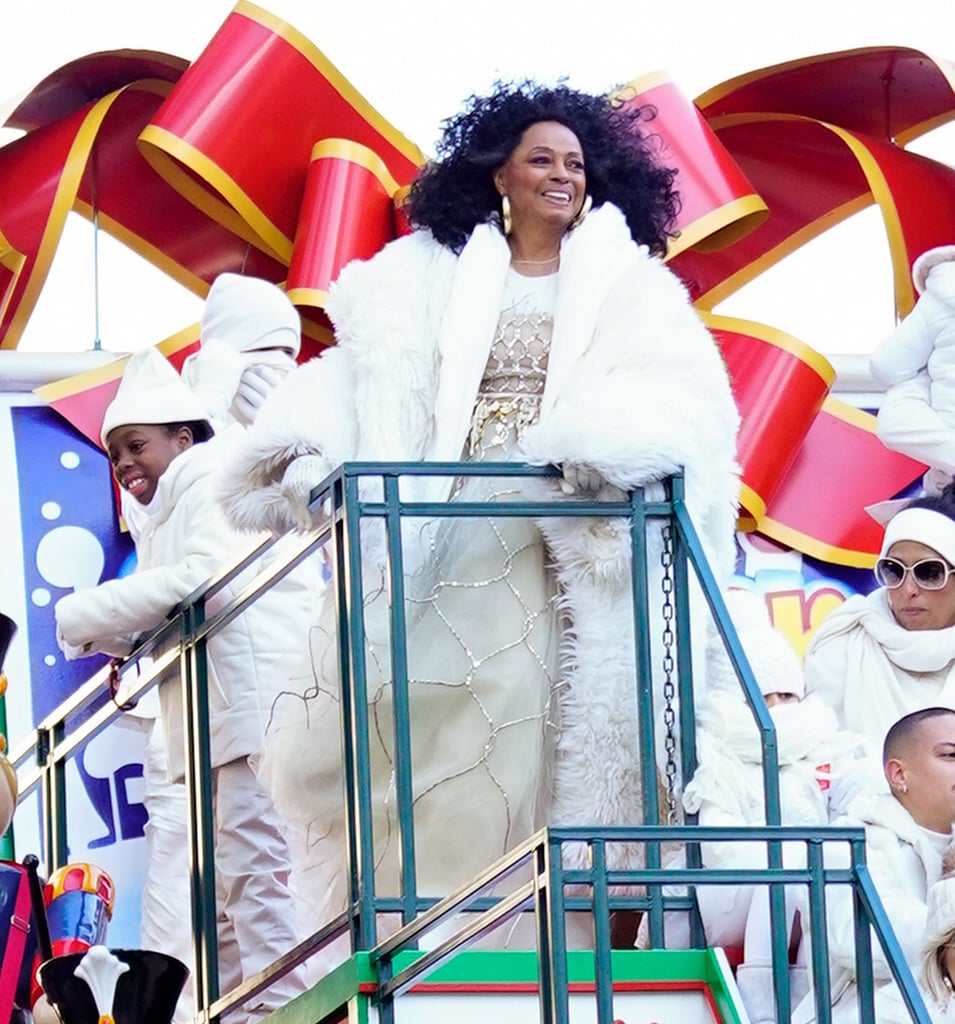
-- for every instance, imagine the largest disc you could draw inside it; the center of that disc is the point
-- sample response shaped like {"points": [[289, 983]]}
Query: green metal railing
{"points": [[343, 505], [545, 893]]}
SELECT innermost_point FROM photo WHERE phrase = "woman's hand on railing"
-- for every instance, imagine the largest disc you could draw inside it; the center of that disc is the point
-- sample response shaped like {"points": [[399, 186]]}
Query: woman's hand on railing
{"points": [[301, 476], [579, 478]]}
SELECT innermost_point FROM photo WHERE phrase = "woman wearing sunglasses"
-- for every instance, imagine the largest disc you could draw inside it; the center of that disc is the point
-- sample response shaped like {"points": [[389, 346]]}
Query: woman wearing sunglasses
{"points": [[879, 657]]}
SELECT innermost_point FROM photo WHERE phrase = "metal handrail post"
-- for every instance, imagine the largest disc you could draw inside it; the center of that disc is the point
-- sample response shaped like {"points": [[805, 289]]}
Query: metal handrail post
{"points": [[643, 683], [558, 1009], [818, 933], [868, 899], [542, 920], [363, 853], [199, 806], [53, 795], [401, 703], [603, 964]]}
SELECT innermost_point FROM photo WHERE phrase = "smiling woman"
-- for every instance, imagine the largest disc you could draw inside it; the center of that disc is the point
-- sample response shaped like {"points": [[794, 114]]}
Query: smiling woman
{"points": [[543, 329], [892, 652]]}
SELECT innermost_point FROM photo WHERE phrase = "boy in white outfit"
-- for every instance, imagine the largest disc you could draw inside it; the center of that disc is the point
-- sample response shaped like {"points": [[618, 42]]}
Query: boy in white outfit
{"points": [[157, 436], [916, 365], [908, 832]]}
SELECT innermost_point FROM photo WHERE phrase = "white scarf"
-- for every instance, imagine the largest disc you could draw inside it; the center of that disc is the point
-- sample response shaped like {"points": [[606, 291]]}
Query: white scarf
{"points": [[730, 752], [891, 670]]}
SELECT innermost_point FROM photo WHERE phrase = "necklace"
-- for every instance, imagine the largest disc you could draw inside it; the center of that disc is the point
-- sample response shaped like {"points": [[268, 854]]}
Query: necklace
{"points": [[537, 263]]}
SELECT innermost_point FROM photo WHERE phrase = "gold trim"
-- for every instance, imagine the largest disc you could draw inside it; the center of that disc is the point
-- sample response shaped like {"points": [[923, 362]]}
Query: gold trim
{"points": [[752, 502], [316, 297], [14, 261], [66, 189], [69, 386], [317, 332], [774, 336], [238, 213], [721, 227], [882, 195], [356, 153], [924, 127], [746, 275], [338, 81], [806, 545], [180, 340], [849, 414], [731, 85]]}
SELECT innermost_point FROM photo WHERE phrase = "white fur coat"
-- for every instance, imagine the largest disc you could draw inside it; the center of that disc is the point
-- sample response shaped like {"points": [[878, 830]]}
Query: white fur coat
{"points": [[635, 388]]}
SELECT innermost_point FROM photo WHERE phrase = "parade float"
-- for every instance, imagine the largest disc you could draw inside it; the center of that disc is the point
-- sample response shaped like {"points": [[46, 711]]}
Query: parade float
{"points": [[155, 152]]}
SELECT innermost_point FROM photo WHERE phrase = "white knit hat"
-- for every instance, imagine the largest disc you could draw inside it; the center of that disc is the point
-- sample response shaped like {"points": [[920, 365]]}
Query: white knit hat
{"points": [[771, 656], [932, 529], [249, 313], [150, 392]]}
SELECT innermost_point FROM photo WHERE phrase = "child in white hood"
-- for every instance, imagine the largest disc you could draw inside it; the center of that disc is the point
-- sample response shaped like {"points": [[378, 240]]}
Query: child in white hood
{"points": [[727, 787], [916, 365], [163, 455]]}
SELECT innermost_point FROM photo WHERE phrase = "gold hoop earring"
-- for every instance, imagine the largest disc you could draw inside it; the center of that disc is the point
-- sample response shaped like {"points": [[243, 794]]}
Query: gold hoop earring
{"points": [[506, 224], [585, 208]]}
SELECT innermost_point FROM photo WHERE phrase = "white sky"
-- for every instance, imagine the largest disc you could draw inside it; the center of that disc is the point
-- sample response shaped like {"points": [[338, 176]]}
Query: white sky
{"points": [[835, 294]]}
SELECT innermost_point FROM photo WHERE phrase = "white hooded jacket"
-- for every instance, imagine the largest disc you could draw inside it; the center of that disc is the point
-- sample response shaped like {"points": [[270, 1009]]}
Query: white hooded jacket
{"points": [[905, 861]]}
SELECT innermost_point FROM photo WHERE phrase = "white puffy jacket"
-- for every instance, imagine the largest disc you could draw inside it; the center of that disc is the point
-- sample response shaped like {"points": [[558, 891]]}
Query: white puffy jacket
{"points": [[916, 364]]}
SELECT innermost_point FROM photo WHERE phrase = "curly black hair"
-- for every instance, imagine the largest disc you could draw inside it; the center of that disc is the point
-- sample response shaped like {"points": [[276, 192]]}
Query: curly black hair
{"points": [[456, 192]]}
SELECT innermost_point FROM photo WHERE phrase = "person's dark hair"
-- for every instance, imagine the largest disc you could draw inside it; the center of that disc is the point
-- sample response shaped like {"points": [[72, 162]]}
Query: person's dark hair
{"points": [[201, 429], [943, 502], [903, 731], [456, 192]]}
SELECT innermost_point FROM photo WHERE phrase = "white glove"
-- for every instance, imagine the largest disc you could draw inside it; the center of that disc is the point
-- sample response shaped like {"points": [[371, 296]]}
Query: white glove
{"points": [[301, 476], [72, 652], [861, 776], [581, 478], [255, 385], [213, 374]]}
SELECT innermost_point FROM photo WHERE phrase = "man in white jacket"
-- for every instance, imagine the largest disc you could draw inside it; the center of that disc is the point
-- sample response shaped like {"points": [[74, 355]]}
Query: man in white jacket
{"points": [[907, 834]]}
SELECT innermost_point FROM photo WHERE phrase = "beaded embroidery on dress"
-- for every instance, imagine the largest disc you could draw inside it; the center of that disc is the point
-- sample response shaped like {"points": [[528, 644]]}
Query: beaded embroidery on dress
{"points": [[482, 622]]}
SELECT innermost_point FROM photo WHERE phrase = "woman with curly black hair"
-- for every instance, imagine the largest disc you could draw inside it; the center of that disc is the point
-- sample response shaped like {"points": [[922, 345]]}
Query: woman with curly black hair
{"points": [[528, 318], [457, 192]]}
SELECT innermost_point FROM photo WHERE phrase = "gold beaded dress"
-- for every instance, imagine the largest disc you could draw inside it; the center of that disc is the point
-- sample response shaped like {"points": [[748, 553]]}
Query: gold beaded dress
{"points": [[482, 631]]}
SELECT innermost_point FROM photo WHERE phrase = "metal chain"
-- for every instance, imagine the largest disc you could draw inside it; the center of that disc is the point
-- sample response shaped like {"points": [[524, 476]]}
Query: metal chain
{"points": [[669, 664]]}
